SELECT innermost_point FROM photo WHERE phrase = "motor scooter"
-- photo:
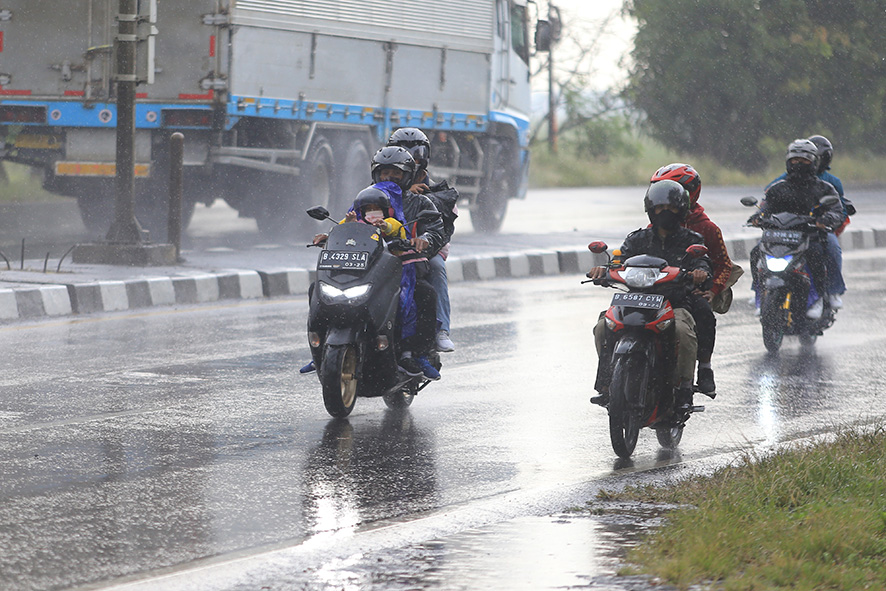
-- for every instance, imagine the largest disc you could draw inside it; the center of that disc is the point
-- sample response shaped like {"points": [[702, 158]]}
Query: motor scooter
{"points": [[352, 320], [782, 281], [640, 330]]}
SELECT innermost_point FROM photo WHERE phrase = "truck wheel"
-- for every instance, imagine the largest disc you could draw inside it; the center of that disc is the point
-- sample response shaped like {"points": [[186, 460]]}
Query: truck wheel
{"points": [[352, 178], [97, 213], [497, 187], [284, 211], [152, 211]]}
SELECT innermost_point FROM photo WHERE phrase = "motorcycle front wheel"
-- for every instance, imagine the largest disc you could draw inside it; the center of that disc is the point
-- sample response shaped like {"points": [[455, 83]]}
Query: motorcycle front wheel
{"points": [[773, 318], [630, 377], [338, 377]]}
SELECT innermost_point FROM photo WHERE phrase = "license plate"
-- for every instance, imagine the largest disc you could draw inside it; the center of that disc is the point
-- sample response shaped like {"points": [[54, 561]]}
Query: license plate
{"points": [[343, 259], [652, 301], [789, 237], [38, 142]]}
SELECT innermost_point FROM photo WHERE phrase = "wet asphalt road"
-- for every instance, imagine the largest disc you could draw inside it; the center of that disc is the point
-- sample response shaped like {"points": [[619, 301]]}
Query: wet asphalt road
{"points": [[183, 444]]}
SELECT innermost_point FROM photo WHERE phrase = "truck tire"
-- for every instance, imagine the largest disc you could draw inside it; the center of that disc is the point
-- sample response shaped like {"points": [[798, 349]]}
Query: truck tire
{"points": [[152, 210], [353, 176], [97, 213], [497, 186], [283, 213]]}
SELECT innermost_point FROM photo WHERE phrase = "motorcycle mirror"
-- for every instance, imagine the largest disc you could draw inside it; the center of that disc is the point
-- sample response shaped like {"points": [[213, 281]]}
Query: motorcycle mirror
{"points": [[749, 201], [597, 247], [696, 251], [319, 213]]}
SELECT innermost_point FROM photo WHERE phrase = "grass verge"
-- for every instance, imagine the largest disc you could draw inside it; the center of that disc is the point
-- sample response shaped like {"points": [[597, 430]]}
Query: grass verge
{"points": [[805, 518], [566, 169]]}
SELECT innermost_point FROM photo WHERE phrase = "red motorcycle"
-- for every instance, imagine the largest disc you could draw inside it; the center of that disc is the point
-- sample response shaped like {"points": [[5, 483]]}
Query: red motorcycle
{"points": [[640, 330]]}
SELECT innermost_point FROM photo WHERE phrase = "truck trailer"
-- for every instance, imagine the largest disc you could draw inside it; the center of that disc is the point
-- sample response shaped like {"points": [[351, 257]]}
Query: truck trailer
{"points": [[282, 102]]}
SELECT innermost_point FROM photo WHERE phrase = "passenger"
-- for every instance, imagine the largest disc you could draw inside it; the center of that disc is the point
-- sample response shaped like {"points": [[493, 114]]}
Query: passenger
{"points": [[723, 269], [372, 206], [667, 205], [415, 140]]}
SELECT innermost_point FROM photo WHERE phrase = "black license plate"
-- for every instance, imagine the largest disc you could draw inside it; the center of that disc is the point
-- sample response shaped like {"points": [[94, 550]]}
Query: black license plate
{"points": [[787, 237], [343, 259], [652, 301]]}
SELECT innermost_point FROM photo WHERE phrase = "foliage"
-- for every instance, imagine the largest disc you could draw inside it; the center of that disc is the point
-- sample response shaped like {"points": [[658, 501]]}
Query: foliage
{"points": [[589, 123], [804, 518], [18, 183], [724, 77]]}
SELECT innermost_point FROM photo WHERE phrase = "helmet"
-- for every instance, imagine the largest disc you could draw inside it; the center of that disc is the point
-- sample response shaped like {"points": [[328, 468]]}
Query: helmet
{"points": [[372, 196], [414, 140], [683, 174], [825, 151], [394, 157], [666, 192], [802, 149]]}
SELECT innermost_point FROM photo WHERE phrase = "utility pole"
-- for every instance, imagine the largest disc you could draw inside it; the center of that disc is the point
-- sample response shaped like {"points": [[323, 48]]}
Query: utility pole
{"points": [[555, 27], [126, 242], [126, 228]]}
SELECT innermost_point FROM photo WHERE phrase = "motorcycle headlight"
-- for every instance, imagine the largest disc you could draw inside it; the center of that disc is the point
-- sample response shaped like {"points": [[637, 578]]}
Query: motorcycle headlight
{"points": [[778, 264], [353, 295], [639, 277]]}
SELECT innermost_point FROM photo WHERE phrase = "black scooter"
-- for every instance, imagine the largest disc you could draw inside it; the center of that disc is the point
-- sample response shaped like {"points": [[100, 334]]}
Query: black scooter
{"points": [[352, 322], [782, 280]]}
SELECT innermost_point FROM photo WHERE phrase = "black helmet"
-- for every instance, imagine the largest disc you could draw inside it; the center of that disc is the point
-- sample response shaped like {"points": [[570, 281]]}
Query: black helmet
{"points": [[666, 192], [825, 151], [394, 157], [801, 149], [414, 140], [372, 196]]}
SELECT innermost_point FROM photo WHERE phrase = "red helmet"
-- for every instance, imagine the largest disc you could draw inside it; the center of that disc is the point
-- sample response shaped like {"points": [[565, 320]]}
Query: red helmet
{"points": [[683, 174]]}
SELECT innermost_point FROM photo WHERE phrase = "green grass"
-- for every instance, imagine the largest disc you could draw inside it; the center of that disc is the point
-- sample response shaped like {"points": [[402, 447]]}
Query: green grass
{"points": [[565, 169], [805, 518], [20, 184]]}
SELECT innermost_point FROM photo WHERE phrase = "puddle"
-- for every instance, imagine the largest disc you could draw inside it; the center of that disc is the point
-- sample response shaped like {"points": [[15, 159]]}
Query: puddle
{"points": [[581, 549]]}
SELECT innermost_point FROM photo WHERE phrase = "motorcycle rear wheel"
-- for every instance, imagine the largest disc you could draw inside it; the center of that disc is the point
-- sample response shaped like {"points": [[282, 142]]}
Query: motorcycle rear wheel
{"points": [[400, 399], [669, 437], [629, 375], [338, 377], [773, 320], [808, 340]]}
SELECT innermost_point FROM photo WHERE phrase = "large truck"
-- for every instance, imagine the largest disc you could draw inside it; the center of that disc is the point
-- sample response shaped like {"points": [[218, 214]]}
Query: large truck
{"points": [[282, 102]]}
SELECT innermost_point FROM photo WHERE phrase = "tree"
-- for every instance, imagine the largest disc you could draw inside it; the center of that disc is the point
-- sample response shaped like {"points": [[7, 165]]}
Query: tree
{"points": [[723, 77], [592, 123]]}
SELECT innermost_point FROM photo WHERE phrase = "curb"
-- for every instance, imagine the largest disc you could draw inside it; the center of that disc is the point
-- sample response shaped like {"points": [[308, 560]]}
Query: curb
{"points": [[120, 295]]}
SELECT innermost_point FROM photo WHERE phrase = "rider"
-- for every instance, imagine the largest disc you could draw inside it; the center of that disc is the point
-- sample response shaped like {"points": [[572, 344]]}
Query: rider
{"points": [[393, 170], [698, 221], [415, 140], [800, 193], [667, 205]]}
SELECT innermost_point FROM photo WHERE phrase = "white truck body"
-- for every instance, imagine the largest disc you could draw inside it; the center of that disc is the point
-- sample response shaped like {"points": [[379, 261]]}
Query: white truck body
{"points": [[282, 102]]}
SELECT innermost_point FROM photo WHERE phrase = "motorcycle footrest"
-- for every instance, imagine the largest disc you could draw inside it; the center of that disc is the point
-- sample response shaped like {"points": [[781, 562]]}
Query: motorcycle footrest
{"points": [[697, 408]]}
